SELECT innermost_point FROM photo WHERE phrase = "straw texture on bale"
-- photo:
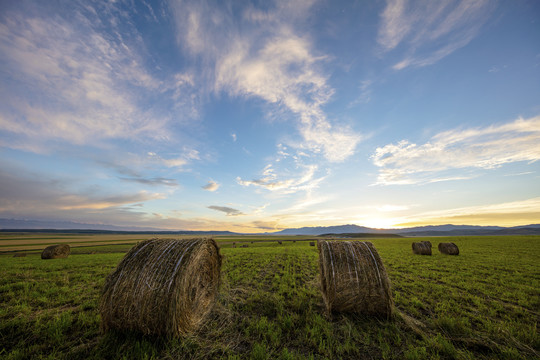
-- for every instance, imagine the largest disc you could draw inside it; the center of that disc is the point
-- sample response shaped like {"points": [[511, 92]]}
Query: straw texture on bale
{"points": [[162, 287], [56, 251], [421, 248], [353, 278], [448, 248]]}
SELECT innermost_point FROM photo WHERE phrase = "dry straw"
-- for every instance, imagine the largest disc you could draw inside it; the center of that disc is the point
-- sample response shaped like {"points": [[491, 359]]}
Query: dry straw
{"points": [[448, 248], [162, 287], [56, 251], [353, 278], [421, 248]]}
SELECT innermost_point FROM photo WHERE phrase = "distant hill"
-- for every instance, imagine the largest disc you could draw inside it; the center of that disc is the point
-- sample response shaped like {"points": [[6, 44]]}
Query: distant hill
{"points": [[463, 232], [7, 225], [65, 225], [342, 230], [432, 230]]}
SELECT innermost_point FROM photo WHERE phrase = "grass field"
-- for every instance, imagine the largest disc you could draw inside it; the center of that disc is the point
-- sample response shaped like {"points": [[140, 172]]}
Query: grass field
{"points": [[482, 304]]}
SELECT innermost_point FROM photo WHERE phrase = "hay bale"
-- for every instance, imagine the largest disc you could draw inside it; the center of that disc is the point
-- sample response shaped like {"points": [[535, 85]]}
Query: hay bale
{"points": [[421, 248], [56, 251], [311, 243], [353, 278], [280, 242], [162, 287], [448, 248]]}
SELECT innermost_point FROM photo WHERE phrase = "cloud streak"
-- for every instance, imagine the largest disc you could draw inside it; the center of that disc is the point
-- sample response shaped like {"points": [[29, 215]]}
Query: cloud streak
{"points": [[227, 210], [305, 181], [157, 181], [481, 148], [23, 194], [211, 186], [76, 79], [426, 32], [272, 61]]}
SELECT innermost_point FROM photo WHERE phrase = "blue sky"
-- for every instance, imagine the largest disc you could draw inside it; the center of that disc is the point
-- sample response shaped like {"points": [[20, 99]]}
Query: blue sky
{"points": [[256, 116]]}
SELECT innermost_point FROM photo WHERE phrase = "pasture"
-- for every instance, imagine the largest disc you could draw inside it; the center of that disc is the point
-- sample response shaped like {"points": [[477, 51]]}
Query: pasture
{"points": [[482, 304]]}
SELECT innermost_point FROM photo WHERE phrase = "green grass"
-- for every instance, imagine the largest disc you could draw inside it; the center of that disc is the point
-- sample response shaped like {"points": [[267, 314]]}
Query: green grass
{"points": [[482, 304]]}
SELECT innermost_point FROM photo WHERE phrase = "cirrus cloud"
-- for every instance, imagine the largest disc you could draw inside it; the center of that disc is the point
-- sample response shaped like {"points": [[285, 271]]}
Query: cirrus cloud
{"points": [[227, 210], [304, 181], [211, 186], [77, 78], [273, 61], [483, 148], [430, 31]]}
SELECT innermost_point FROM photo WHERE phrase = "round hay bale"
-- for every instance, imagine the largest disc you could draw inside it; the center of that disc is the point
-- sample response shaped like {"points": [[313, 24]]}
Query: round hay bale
{"points": [[162, 287], [421, 248], [311, 243], [353, 278], [56, 251], [448, 248]]}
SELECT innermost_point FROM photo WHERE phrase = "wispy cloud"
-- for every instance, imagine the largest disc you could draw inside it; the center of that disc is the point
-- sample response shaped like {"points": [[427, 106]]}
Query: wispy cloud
{"points": [[484, 148], [211, 186], [227, 210], [75, 79], [174, 162], [426, 32], [365, 93], [39, 197], [157, 181], [304, 181], [266, 225], [272, 61], [496, 68]]}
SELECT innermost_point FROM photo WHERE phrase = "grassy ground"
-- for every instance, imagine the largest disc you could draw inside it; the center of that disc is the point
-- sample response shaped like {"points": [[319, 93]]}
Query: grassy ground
{"points": [[482, 304]]}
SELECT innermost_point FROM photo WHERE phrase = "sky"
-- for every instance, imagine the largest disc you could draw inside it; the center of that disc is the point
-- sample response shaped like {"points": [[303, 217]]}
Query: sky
{"points": [[255, 116]]}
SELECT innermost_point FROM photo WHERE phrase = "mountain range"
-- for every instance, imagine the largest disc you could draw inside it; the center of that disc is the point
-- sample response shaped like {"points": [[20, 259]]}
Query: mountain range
{"points": [[432, 230]]}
